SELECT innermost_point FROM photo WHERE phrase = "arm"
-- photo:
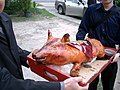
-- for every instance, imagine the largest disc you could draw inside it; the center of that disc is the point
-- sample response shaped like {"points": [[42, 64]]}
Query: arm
{"points": [[116, 56], [84, 26], [23, 56], [9, 82], [13, 43]]}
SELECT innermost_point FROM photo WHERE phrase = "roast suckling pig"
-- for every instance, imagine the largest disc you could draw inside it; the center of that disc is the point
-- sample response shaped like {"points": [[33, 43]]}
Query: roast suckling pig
{"points": [[58, 51]]}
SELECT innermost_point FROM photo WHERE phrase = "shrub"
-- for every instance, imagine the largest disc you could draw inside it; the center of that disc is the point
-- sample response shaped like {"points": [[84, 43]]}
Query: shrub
{"points": [[11, 6], [117, 2], [18, 6], [25, 5]]}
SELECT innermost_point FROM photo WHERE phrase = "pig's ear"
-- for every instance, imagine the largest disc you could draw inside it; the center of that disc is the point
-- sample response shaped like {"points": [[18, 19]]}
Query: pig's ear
{"points": [[49, 35], [65, 38]]}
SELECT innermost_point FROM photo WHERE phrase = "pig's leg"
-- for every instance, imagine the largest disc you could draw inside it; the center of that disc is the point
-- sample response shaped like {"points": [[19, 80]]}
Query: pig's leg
{"points": [[75, 69]]}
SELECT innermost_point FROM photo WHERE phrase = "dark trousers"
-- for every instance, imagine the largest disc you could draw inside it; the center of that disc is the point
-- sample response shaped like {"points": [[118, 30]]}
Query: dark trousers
{"points": [[108, 76]]}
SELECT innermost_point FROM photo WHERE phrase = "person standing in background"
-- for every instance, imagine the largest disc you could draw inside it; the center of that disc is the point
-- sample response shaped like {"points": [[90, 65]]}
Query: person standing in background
{"points": [[107, 32]]}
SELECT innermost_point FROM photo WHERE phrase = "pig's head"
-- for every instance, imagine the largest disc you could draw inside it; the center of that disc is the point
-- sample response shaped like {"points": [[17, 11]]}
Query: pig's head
{"points": [[53, 52]]}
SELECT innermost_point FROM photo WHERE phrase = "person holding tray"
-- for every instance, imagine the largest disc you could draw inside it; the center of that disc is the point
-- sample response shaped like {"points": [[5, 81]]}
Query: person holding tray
{"points": [[102, 22], [12, 57]]}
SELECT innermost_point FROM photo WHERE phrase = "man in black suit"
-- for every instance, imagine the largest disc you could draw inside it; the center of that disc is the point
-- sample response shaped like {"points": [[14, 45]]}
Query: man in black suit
{"points": [[12, 57]]}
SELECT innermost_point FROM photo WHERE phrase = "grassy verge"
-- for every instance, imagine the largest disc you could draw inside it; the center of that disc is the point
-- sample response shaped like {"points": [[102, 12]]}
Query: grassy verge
{"points": [[37, 14]]}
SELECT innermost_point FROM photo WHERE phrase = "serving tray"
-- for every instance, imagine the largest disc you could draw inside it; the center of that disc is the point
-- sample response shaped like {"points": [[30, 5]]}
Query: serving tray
{"points": [[52, 74]]}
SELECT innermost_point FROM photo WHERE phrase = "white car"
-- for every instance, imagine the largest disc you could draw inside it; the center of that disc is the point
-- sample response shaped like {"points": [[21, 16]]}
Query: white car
{"points": [[71, 7]]}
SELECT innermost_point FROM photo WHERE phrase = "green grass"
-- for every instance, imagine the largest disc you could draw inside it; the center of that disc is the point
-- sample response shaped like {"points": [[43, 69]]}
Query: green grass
{"points": [[39, 4], [37, 14], [45, 13]]}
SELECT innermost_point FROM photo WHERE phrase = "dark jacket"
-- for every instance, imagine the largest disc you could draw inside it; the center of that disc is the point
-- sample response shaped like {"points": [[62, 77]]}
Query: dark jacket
{"points": [[11, 59], [108, 32]]}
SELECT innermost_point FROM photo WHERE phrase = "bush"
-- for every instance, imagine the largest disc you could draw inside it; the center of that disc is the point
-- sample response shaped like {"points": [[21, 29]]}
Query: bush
{"points": [[117, 2], [25, 6], [11, 6], [18, 6]]}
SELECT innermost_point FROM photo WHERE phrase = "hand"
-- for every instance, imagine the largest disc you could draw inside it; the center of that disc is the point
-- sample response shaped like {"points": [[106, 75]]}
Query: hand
{"points": [[30, 55], [72, 84], [116, 57]]}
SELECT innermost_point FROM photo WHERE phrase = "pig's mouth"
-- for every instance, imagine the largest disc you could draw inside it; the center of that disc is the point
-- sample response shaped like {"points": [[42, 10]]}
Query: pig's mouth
{"points": [[41, 60]]}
